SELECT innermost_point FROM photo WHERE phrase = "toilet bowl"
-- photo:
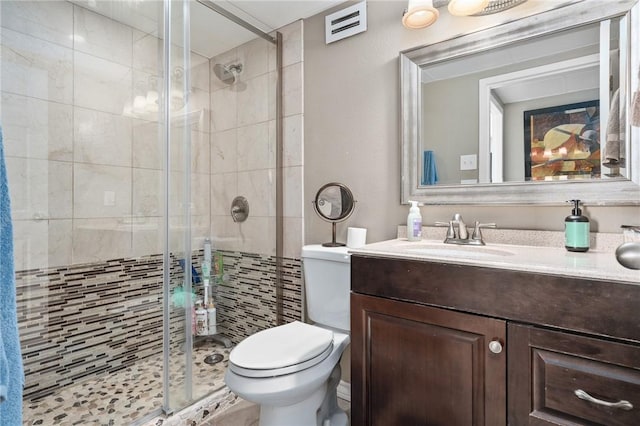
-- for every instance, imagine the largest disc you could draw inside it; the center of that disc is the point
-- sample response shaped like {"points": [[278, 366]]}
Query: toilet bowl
{"points": [[292, 391], [292, 371]]}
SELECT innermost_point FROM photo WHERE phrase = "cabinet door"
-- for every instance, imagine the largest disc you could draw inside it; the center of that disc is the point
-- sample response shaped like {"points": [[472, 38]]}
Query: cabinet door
{"points": [[418, 365], [558, 378]]}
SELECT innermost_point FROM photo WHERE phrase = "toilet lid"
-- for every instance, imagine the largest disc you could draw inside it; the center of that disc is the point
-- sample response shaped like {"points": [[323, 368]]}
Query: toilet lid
{"points": [[283, 346]]}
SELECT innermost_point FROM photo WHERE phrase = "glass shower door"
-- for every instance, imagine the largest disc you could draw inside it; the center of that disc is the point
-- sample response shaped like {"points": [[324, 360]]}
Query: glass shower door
{"points": [[180, 120], [223, 146]]}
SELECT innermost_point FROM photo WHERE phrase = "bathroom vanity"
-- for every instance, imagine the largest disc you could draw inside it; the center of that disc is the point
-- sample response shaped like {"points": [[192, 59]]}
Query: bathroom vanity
{"points": [[495, 336]]}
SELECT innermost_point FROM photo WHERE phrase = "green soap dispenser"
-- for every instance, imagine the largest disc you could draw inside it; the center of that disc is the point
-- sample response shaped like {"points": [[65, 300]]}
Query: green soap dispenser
{"points": [[576, 229]]}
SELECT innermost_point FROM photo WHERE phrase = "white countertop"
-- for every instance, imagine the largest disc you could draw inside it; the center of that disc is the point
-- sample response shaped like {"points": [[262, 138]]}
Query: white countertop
{"points": [[548, 260]]}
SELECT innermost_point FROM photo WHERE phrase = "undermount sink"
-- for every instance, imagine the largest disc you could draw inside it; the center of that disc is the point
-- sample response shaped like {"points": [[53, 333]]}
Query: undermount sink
{"points": [[458, 251]]}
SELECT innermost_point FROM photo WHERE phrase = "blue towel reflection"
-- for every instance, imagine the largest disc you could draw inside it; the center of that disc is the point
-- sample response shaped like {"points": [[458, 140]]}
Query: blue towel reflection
{"points": [[429, 170]]}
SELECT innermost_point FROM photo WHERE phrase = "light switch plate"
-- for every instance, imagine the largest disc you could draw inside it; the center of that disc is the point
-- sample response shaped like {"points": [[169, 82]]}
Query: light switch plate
{"points": [[468, 162]]}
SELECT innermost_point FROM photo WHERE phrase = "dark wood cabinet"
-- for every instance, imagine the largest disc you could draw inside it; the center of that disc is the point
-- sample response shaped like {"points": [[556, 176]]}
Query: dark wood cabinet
{"points": [[418, 365], [568, 353]]}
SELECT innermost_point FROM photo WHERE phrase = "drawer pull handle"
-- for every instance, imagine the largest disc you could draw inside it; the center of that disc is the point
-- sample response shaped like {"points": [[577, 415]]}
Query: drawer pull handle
{"points": [[625, 405]]}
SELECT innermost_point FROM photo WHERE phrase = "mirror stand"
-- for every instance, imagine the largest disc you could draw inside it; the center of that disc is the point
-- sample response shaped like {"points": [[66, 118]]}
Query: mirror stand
{"points": [[333, 242]]}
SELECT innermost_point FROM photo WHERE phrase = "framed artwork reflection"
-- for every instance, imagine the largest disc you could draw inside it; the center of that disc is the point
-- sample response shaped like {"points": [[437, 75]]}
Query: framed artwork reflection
{"points": [[562, 142]]}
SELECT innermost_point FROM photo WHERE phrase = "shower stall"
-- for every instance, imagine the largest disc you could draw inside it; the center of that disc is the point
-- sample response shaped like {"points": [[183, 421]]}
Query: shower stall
{"points": [[129, 128]]}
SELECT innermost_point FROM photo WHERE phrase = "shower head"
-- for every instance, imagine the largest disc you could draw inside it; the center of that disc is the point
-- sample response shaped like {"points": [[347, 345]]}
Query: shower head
{"points": [[228, 74]]}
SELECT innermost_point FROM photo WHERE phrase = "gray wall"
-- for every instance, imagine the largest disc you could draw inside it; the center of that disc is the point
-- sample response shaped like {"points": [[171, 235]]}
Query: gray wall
{"points": [[450, 108], [352, 128]]}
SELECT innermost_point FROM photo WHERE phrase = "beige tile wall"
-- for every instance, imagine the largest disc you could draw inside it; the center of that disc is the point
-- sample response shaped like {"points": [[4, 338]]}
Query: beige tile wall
{"points": [[243, 144], [86, 176]]}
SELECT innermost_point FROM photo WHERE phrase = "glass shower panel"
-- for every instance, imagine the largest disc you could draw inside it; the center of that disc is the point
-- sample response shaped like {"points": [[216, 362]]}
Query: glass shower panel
{"points": [[180, 271], [230, 122], [81, 84], [128, 132]]}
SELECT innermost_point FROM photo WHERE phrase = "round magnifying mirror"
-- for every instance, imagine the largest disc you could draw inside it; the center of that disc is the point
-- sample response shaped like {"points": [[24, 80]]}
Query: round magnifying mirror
{"points": [[334, 203]]}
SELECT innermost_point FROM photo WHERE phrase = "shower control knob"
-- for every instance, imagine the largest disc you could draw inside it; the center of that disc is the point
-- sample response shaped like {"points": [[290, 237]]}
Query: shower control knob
{"points": [[495, 346]]}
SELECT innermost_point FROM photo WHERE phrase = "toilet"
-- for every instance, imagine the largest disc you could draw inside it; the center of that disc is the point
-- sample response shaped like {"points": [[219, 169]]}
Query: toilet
{"points": [[292, 371]]}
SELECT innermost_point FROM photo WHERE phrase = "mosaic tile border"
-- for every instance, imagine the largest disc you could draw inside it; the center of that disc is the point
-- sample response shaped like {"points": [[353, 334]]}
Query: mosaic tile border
{"points": [[83, 321]]}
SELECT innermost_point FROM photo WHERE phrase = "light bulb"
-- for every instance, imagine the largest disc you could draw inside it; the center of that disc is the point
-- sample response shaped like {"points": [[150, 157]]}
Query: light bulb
{"points": [[466, 7], [420, 14]]}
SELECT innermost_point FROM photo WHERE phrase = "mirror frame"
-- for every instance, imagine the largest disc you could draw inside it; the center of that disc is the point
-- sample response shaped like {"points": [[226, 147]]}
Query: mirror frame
{"points": [[601, 192]]}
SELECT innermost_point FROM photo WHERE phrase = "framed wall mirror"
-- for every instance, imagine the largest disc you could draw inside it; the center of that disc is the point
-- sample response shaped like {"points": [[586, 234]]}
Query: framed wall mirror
{"points": [[534, 111]]}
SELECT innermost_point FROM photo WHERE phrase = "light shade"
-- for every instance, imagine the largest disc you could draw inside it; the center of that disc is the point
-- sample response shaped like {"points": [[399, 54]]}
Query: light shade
{"points": [[420, 14], [466, 7]]}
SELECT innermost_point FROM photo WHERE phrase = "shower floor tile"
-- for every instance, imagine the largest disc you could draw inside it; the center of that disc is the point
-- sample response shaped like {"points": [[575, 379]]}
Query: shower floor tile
{"points": [[126, 396]]}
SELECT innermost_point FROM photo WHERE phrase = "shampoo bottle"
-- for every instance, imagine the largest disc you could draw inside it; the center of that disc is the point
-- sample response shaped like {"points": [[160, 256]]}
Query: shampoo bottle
{"points": [[212, 322], [414, 223], [206, 268], [206, 272], [218, 267], [576, 229], [201, 319], [194, 328]]}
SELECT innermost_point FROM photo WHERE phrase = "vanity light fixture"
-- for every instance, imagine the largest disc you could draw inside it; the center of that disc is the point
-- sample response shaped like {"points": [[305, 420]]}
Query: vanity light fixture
{"points": [[419, 14], [466, 7], [422, 13]]}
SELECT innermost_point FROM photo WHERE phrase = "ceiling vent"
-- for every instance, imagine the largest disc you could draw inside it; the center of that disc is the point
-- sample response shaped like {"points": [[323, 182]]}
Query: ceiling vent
{"points": [[346, 22]]}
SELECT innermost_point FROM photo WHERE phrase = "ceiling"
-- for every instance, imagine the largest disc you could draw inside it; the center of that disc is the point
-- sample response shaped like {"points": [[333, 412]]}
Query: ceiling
{"points": [[211, 33]]}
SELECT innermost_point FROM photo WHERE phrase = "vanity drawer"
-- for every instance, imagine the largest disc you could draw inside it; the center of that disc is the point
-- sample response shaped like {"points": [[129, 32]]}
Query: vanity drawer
{"points": [[574, 379], [564, 384]]}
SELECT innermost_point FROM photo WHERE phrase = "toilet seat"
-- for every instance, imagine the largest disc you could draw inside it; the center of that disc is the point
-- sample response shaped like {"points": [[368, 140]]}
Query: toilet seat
{"points": [[281, 350]]}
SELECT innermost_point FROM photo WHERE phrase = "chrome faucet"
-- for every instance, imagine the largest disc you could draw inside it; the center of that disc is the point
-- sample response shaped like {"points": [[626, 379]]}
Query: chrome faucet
{"points": [[457, 232]]}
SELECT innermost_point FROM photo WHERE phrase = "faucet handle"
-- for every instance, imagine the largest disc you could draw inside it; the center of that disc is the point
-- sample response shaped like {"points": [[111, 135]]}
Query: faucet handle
{"points": [[477, 233], [451, 233], [634, 228]]}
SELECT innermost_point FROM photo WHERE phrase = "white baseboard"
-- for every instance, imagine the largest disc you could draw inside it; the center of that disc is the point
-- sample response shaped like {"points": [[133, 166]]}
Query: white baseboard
{"points": [[344, 390]]}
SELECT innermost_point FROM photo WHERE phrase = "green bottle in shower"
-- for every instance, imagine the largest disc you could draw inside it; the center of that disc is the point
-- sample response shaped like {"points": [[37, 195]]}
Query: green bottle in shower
{"points": [[576, 229]]}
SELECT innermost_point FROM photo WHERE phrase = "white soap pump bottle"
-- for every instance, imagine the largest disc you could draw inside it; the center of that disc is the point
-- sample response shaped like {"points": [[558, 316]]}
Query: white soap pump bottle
{"points": [[414, 223]]}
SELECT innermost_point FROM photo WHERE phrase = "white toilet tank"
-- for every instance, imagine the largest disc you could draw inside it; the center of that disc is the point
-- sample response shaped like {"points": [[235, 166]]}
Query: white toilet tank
{"points": [[327, 281]]}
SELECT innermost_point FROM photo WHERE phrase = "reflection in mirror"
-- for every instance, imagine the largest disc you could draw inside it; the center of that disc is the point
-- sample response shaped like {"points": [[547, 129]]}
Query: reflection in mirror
{"points": [[334, 203], [560, 69], [538, 100]]}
